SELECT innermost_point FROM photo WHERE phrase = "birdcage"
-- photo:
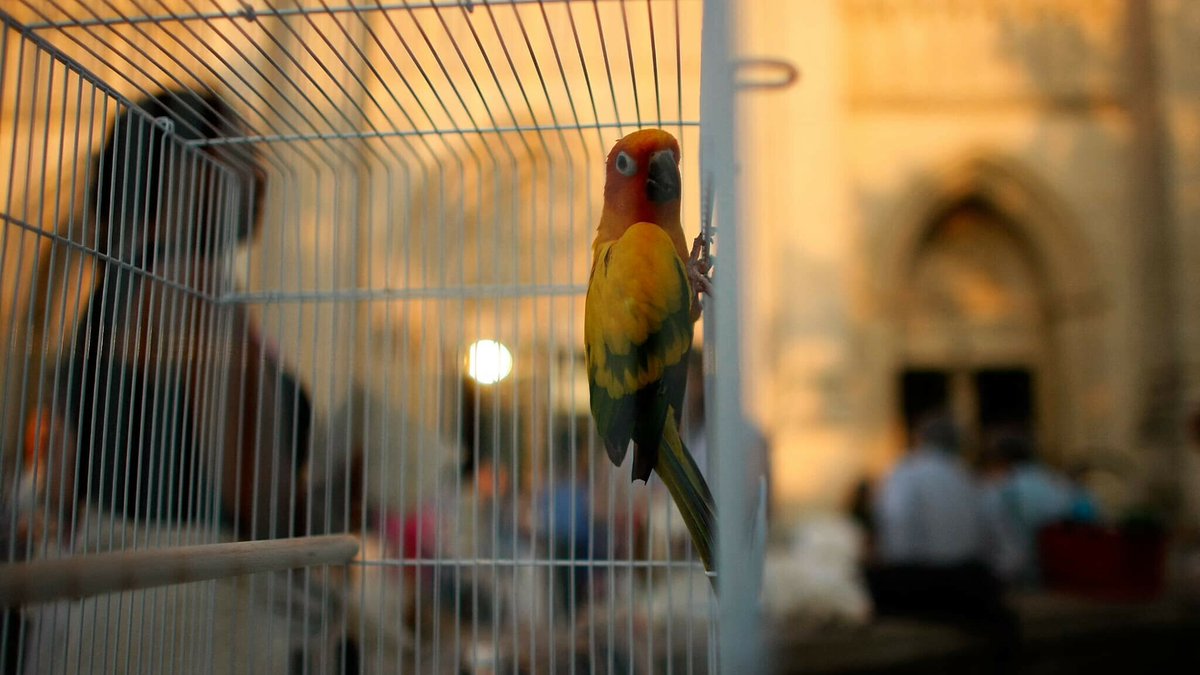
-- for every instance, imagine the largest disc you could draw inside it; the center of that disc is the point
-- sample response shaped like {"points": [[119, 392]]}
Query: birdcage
{"points": [[291, 323]]}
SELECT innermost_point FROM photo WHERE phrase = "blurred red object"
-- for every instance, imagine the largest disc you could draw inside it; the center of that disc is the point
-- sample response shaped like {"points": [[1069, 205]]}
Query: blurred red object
{"points": [[1103, 562]]}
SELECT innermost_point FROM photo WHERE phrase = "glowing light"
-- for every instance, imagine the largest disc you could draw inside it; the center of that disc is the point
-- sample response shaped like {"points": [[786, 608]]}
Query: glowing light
{"points": [[488, 361]]}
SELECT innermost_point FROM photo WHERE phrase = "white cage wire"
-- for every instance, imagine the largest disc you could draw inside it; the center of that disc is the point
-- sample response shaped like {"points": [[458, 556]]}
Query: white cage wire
{"points": [[273, 272]]}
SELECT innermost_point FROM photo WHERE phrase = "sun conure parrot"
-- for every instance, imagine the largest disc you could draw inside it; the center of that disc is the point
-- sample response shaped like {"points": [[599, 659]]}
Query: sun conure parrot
{"points": [[642, 300]]}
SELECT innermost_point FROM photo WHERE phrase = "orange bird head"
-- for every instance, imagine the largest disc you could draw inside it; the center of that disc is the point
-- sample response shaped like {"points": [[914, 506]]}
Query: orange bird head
{"points": [[642, 183]]}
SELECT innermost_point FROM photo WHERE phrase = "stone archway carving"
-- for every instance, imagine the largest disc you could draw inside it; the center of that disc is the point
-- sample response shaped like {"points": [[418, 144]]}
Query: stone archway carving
{"points": [[1018, 194], [1074, 297]]}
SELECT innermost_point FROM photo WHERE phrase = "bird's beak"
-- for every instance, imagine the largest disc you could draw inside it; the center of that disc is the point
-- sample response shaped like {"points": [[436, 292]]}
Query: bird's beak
{"points": [[662, 182]]}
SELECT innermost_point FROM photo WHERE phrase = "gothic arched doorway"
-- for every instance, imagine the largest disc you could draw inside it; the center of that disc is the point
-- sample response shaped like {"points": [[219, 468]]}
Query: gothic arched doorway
{"points": [[974, 331]]}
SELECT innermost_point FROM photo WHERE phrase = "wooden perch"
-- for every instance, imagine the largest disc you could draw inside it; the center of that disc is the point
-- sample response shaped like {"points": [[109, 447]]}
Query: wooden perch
{"points": [[94, 574]]}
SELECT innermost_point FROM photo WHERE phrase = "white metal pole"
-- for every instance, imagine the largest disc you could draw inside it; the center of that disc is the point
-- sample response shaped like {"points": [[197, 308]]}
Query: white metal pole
{"points": [[738, 636]]}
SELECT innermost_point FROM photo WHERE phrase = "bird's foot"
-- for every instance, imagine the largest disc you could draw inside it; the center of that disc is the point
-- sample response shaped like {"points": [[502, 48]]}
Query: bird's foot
{"points": [[699, 265]]}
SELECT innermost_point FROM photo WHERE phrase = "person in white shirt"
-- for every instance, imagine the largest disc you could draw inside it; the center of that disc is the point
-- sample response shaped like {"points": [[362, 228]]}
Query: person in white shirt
{"points": [[932, 539], [928, 510]]}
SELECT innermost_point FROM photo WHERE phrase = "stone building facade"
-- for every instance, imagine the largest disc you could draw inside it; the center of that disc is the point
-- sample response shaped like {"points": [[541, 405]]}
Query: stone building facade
{"points": [[990, 202]]}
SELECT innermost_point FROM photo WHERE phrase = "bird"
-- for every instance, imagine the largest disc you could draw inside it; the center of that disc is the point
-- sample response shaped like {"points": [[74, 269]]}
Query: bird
{"points": [[642, 300]]}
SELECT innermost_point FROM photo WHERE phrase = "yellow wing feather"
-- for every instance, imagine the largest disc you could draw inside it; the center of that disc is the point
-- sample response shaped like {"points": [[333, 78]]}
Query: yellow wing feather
{"points": [[638, 288]]}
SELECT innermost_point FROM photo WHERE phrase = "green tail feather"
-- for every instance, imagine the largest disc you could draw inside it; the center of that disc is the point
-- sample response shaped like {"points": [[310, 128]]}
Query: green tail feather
{"points": [[689, 490]]}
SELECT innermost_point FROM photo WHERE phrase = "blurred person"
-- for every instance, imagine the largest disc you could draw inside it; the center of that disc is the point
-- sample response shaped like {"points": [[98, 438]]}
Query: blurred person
{"points": [[473, 517], [860, 506], [140, 395], [486, 518], [571, 531], [267, 412], [931, 537], [485, 525], [756, 457], [1085, 507], [928, 510], [695, 427], [173, 418], [1020, 497]]}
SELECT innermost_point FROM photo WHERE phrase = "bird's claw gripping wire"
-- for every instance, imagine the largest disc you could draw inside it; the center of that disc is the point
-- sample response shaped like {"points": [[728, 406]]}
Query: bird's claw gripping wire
{"points": [[699, 265]]}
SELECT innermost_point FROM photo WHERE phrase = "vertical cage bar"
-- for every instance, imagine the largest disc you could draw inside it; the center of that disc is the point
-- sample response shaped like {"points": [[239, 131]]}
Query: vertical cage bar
{"points": [[737, 632]]}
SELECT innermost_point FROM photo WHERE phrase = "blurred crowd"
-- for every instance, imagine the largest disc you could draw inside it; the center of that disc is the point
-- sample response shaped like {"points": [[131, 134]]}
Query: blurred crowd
{"points": [[948, 537], [936, 514]]}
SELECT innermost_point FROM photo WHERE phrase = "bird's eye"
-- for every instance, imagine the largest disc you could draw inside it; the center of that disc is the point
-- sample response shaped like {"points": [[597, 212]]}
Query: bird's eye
{"points": [[625, 164]]}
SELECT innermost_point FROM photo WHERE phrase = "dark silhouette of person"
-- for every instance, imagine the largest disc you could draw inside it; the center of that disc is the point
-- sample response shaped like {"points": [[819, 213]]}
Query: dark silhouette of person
{"points": [[931, 542], [172, 418]]}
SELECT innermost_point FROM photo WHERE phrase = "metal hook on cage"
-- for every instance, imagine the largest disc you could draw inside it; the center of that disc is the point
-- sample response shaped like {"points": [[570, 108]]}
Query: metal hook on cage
{"points": [[772, 73], [165, 123]]}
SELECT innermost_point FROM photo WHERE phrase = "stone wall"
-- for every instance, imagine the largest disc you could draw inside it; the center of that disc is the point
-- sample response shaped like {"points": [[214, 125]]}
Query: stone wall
{"points": [[906, 108]]}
